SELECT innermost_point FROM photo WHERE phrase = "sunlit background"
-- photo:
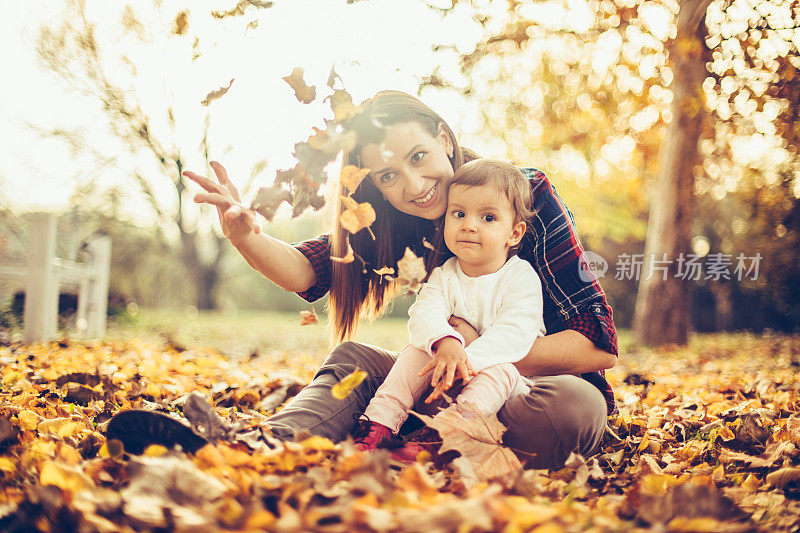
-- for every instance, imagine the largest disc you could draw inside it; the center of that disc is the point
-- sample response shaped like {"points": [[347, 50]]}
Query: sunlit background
{"points": [[579, 89]]}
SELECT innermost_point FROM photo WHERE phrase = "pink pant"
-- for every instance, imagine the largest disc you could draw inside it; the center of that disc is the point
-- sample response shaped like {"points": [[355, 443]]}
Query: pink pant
{"points": [[403, 387]]}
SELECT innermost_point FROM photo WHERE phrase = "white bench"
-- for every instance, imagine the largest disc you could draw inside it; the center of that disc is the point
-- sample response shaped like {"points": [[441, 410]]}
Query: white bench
{"points": [[45, 275]]}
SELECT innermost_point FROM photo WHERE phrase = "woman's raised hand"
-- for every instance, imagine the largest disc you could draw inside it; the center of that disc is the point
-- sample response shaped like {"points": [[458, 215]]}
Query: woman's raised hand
{"points": [[237, 221]]}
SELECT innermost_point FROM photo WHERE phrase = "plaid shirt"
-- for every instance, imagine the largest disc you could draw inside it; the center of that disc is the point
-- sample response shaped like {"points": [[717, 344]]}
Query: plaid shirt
{"points": [[572, 299]]}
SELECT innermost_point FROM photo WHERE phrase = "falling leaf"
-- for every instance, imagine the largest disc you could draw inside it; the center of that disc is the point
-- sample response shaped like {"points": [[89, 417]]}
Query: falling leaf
{"points": [[304, 93], [181, 23], [308, 317], [349, 257], [352, 176], [385, 271], [342, 390], [427, 245], [478, 438], [239, 9], [410, 272], [216, 94], [268, 200], [356, 216], [332, 77], [342, 105]]}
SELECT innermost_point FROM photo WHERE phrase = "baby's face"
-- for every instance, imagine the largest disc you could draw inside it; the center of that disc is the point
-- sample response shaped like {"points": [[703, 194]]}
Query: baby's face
{"points": [[479, 228]]}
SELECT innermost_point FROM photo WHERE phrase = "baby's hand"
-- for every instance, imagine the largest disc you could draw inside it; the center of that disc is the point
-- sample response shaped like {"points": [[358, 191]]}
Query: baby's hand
{"points": [[449, 357]]}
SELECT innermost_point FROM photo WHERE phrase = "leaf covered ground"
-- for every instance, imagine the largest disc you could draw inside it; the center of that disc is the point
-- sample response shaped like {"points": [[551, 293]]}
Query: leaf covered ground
{"points": [[706, 439]]}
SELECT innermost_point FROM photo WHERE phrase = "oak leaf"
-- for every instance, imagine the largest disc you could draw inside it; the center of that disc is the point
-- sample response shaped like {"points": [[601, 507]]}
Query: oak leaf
{"points": [[342, 390], [303, 92]]}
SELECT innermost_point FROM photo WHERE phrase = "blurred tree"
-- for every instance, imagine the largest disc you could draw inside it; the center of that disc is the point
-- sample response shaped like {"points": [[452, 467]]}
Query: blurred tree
{"points": [[103, 70], [600, 88]]}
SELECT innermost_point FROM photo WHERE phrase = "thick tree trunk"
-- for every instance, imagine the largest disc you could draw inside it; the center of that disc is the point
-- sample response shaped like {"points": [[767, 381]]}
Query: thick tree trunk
{"points": [[662, 303]]}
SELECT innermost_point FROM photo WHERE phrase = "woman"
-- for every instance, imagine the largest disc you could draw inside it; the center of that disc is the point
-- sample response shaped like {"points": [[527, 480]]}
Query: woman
{"points": [[412, 154]]}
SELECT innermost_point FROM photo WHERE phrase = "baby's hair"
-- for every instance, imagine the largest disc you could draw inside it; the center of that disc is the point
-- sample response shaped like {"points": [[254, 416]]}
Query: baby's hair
{"points": [[505, 177]]}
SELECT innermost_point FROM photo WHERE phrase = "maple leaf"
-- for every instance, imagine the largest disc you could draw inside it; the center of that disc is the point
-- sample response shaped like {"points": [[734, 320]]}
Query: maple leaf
{"points": [[410, 272], [352, 176], [479, 440], [342, 390], [308, 317], [356, 216], [216, 94], [304, 93], [268, 200]]}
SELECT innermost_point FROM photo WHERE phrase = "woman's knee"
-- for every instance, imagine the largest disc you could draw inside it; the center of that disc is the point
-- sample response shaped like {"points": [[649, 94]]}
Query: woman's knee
{"points": [[561, 414], [348, 356]]}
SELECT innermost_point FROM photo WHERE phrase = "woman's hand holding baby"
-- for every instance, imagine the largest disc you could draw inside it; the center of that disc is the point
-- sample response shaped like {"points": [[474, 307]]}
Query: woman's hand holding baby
{"points": [[449, 357], [237, 221]]}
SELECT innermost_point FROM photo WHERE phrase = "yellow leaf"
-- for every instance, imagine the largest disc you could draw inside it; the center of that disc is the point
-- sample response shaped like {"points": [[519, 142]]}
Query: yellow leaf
{"points": [[68, 455], [352, 176], [726, 434], [356, 216], [342, 105], [342, 390], [751, 484], [700, 524], [260, 520], [181, 23], [303, 92], [43, 448], [317, 443], [64, 477], [155, 450], [153, 391], [7, 465], [385, 271], [112, 448], [645, 442], [28, 420]]}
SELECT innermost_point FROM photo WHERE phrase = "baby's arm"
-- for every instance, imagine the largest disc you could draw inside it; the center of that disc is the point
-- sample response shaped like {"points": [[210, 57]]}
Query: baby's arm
{"points": [[428, 316], [520, 321]]}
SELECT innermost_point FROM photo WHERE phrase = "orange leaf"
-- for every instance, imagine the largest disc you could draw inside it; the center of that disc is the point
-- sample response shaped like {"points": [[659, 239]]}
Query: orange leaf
{"points": [[349, 257], [356, 216], [342, 105], [342, 390], [410, 272]]}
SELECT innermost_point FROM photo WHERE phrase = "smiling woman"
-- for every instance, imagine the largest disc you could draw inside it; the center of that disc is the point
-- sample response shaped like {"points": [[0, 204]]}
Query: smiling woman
{"points": [[413, 155]]}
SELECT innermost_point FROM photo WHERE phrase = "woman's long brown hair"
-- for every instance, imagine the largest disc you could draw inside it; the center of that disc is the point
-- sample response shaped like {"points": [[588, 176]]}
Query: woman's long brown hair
{"points": [[356, 291]]}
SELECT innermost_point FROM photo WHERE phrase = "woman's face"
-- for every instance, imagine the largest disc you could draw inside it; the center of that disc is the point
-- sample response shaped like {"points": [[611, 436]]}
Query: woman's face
{"points": [[411, 169]]}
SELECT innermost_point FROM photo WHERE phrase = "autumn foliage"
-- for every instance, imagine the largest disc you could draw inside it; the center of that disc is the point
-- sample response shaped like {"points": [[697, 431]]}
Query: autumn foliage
{"points": [[705, 440]]}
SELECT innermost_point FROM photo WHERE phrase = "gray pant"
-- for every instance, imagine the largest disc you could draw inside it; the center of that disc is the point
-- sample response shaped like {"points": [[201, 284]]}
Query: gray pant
{"points": [[560, 414]]}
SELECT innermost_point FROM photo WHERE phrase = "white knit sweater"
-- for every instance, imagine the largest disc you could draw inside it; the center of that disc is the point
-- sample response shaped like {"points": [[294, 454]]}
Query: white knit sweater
{"points": [[505, 307]]}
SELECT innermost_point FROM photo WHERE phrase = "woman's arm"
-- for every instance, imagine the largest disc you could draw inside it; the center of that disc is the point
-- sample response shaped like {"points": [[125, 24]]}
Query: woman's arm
{"points": [[280, 262], [565, 352]]}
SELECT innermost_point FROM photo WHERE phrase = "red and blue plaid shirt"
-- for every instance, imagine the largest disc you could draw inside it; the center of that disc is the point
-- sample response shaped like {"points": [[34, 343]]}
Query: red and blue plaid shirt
{"points": [[573, 299]]}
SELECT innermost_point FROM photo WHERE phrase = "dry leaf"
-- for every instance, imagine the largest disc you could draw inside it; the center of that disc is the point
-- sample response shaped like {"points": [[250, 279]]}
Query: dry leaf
{"points": [[268, 200], [342, 105], [216, 94], [410, 272], [352, 176], [304, 93], [427, 245], [181, 24], [385, 271], [783, 477], [356, 216], [342, 390], [308, 317], [479, 440]]}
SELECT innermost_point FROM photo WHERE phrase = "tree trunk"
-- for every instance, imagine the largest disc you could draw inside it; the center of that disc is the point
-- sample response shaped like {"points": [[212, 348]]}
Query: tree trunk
{"points": [[662, 303]]}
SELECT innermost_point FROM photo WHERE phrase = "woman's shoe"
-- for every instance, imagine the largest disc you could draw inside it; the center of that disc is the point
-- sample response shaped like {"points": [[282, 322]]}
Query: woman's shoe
{"points": [[139, 429]]}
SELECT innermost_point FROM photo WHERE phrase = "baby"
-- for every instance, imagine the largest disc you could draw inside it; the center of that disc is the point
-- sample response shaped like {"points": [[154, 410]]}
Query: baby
{"points": [[498, 293]]}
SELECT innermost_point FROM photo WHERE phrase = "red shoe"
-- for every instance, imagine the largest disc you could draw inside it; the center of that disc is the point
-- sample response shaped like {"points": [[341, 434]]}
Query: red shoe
{"points": [[368, 434]]}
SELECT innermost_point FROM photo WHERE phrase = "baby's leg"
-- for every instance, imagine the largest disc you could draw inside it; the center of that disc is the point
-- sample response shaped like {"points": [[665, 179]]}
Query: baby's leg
{"points": [[492, 387], [400, 390]]}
